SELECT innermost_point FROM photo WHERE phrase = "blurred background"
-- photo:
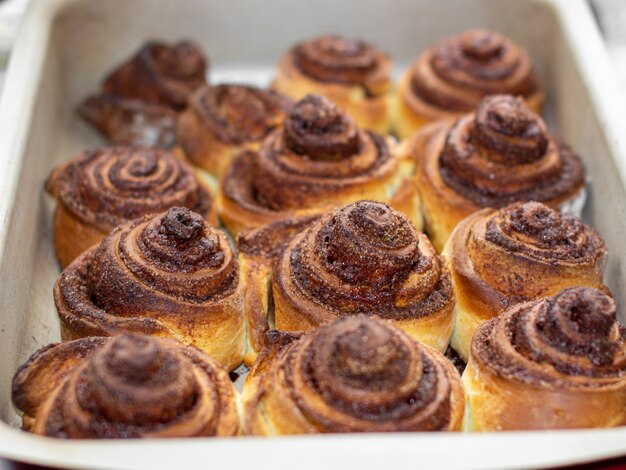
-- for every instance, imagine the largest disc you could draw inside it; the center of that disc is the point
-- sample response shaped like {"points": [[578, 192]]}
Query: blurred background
{"points": [[610, 15]]}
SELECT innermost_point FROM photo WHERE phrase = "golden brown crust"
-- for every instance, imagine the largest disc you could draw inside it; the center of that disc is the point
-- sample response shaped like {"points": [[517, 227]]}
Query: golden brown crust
{"points": [[450, 79], [103, 188], [364, 258], [317, 161], [165, 275], [129, 386], [498, 155], [223, 120], [352, 73], [257, 251], [565, 355], [357, 374], [522, 252]]}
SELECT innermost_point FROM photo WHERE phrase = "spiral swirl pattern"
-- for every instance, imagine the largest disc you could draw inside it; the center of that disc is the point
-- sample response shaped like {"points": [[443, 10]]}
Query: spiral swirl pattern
{"points": [[170, 275], [536, 230], [570, 340], [457, 73], [177, 253], [132, 386], [238, 113], [346, 61], [360, 374], [112, 185], [319, 154], [502, 154], [363, 258], [526, 248], [160, 73]]}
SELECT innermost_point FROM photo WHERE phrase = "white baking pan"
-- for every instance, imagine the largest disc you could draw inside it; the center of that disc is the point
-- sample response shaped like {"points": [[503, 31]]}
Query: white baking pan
{"points": [[65, 48]]}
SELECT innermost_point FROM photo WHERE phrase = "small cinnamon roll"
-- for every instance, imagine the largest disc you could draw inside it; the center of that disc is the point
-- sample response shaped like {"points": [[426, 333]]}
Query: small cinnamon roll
{"points": [[364, 258], [160, 73], [522, 252], [352, 73], [140, 99], [498, 155], [223, 120], [554, 363], [170, 274], [130, 386], [131, 122], [357, 374], [106, 187], [318, 160], [450, 79]]}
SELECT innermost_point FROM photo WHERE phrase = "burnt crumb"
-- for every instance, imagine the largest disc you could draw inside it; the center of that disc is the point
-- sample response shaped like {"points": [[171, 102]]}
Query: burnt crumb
{"points": [[456, 360]]}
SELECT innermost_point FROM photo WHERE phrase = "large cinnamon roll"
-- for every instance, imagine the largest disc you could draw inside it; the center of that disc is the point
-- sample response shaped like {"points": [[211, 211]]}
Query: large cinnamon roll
{"points": [[357, 374], [170, 274], [450, 79], [318, 160], [559, 362], [130, 386], [352, 73], [223, 120], [364, 258], [521, 252], [140, 98], [106, 187], [498, 155]]}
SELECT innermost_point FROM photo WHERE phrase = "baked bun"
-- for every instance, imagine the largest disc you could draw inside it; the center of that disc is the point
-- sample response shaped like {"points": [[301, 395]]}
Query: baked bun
{"points": [[318, 160], [131, 122], [498, 155], [223, 120], [364, 258], [357, 374], [450, 79], [170, 274], [130, 386], [352, 73], [522, 252], [140, 99], [554, 363], [103, 188]]}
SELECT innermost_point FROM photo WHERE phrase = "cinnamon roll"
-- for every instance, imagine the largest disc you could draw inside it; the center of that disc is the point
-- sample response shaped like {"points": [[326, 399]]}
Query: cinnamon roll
{"points": [[130, 386], [498, 155], [554, 363], [318, 160], [160, 73], [140, 99], [357, 374], [364, 258], [450, 79], [521, 252], [352, 73], [131, 122], [223, 120], [106, 187], [170, 274]]}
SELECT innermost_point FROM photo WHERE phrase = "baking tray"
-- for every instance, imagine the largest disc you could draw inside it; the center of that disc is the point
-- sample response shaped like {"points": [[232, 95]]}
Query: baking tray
{"points": [[64, 49]]}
